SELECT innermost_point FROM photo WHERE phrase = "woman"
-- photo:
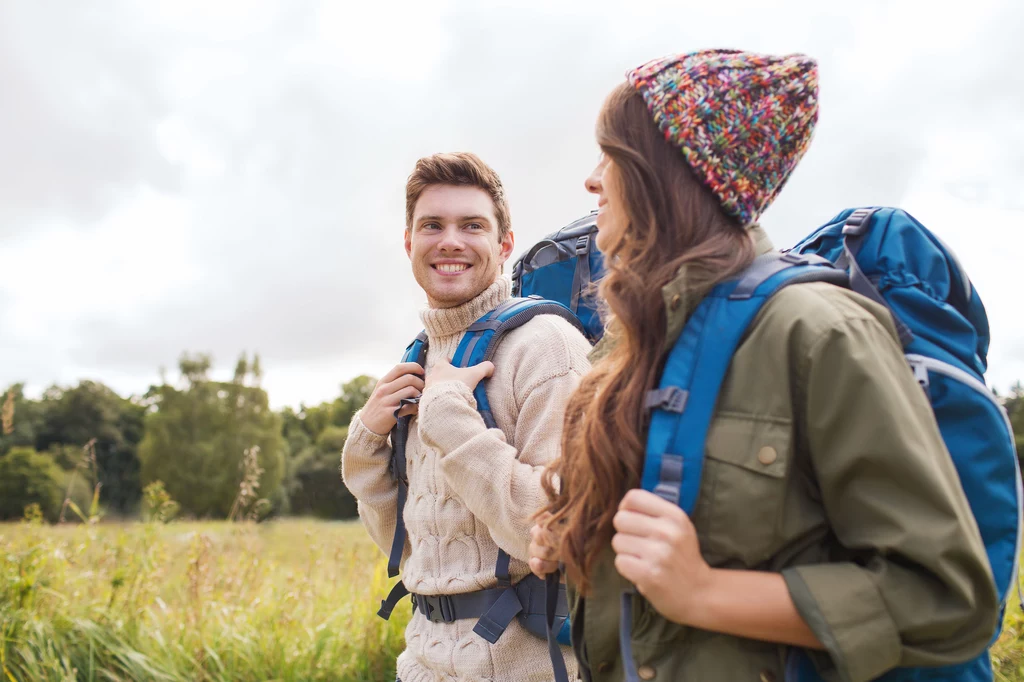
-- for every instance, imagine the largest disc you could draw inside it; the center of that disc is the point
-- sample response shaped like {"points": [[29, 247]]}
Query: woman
{"points": [[829, 516]]}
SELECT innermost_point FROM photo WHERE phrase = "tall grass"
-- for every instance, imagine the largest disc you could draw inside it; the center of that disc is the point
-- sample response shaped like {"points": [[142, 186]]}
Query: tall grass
{"points": [[1008, 652], [286, 600]]}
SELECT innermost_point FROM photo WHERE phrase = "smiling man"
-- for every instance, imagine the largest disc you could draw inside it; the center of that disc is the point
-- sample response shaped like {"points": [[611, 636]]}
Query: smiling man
{"points": [[471, 490]]}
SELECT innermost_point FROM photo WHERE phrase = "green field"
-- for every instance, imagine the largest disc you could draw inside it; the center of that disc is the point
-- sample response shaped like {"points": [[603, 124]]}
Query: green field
{"points": [[287, 600]]}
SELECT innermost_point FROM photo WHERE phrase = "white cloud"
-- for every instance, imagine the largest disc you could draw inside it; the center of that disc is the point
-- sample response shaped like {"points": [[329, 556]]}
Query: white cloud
{"points": [[230, 177]]}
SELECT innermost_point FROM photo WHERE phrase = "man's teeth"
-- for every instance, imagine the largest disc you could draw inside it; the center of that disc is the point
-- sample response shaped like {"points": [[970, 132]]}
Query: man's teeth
{"points": [[452, 268]]}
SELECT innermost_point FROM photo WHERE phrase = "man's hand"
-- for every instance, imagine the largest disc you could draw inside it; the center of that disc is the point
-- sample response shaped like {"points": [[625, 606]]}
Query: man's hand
{"points": [[405, 380], [543, 548], [471, 376]]}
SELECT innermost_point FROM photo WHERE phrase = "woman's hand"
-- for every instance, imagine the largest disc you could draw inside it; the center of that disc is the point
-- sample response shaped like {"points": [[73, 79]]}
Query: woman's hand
{"points": [[656, 549]]}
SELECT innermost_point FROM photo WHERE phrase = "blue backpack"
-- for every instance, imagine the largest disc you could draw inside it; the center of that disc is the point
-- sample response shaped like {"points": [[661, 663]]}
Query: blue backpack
{"points": [[888, 256], [561, 267], [541, 608], [895, 260]]}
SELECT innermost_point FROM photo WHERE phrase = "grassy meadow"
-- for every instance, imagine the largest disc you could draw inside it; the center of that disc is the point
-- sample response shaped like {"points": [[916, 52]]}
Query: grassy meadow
{"points": [[284, 600]]}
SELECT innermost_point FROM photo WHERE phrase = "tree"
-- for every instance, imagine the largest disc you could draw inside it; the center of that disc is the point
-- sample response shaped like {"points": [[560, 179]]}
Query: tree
{"points": [[21, 418], [1015, 408], [293, 428], [28, 477], [315, 436], [71, 417], [196, 436], [317, 488], [354, 395]]}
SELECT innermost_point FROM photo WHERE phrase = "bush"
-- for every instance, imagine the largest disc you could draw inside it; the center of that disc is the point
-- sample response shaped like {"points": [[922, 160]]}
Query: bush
{"points": [[28, 477], [317, 488]]}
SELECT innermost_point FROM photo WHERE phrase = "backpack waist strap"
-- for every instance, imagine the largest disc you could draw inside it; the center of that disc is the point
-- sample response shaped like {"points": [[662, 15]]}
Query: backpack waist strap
{"points": [[496, 607], [448, 608]]}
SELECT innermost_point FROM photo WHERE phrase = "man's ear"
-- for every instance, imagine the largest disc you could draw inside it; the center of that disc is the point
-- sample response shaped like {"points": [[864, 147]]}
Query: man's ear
{"points": [[508, 244], [408, 242]]}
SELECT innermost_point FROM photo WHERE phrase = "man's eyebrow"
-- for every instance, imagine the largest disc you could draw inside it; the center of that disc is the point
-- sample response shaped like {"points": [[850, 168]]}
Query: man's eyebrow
{"points": [[461, 218]]}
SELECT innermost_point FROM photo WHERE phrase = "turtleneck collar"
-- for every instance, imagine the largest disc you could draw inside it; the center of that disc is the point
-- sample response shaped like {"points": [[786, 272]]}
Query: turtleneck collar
{"points": [[442, 322]]}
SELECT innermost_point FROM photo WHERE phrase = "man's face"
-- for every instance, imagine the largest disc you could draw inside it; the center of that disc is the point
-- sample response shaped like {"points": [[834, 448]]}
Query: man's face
{"points": [[453, 244]]}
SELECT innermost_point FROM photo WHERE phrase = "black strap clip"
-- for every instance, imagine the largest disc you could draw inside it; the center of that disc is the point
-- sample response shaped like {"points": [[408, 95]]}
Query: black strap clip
{"points": [[858, 221], [435, 608], [583, 245]]}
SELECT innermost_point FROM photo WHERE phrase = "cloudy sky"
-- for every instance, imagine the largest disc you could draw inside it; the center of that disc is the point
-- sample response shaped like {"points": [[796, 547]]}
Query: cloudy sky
{"points": [[228, 176]]}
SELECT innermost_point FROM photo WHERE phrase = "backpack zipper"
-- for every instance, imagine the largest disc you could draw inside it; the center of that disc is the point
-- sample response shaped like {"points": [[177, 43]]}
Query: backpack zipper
{"points": [[921, 365]]}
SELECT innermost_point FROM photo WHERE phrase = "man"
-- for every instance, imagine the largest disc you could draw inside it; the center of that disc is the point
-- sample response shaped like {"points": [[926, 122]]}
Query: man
{"points": [[471, 489]]}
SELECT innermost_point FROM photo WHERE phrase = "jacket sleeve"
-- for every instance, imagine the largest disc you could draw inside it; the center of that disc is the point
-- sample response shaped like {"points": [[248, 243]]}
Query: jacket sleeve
{"points": [[501, 484], [364, 470], [912, 586]]}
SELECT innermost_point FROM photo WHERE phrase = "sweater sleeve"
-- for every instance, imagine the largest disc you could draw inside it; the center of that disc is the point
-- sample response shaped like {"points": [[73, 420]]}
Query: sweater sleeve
{"points": [[364, 470], [501, 484]]}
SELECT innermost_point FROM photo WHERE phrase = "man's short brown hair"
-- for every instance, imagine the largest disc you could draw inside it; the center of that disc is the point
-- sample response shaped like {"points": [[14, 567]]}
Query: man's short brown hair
{"points": [[459, 169]]}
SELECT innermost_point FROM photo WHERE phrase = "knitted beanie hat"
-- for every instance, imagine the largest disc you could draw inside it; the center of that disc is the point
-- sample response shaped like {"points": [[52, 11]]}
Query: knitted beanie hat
{"points": [[742, 120]]}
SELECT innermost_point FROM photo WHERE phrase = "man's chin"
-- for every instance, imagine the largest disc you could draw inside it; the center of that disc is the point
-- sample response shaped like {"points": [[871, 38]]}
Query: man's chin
{"points": [[454, 295], [448, 297]]}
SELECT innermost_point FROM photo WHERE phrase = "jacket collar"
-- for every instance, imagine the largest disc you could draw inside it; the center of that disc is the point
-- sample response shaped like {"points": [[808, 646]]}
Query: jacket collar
{"points": [[681, 297]]}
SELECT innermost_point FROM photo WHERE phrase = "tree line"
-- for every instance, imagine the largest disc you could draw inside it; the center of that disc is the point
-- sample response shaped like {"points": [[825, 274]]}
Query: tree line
{"points": [[204, 441], [205, 445]]}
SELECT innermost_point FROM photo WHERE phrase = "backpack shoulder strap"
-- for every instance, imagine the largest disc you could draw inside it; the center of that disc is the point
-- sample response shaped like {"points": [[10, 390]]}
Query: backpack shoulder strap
{"points": [[479, 344], [414, 352], [483, 337], [684, 402]]}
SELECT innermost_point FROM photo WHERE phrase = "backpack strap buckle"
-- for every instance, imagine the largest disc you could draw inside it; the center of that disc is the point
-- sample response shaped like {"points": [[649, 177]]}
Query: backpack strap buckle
{"points": [[436, 608], [583, 245], [858, 221], [670, 399]]}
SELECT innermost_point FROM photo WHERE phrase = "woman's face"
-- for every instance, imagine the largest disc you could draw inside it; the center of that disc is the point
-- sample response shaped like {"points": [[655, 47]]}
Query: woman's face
{"points": [[604, 181]]}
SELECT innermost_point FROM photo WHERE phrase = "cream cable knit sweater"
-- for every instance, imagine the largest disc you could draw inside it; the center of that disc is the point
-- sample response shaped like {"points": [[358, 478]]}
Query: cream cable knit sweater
{"points": [[472, 489]]}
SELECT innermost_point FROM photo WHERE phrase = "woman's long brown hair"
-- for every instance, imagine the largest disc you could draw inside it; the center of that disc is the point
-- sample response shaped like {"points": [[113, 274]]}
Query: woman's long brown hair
{"points": [[672, 221]]}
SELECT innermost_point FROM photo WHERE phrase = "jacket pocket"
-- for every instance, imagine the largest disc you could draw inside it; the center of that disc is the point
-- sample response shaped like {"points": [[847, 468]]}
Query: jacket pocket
{"points": [[739, 510]]}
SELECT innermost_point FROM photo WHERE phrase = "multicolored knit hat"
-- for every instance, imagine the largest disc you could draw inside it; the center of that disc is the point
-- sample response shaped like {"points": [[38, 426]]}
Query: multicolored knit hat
{"points": [[743, 120]]}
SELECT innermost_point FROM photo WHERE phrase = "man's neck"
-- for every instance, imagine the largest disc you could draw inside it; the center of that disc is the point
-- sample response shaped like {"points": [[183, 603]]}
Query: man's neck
{"points": [[444, 320]]}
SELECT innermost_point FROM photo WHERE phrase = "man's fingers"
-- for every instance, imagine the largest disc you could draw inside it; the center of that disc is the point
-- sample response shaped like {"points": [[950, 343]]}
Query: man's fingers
{"points": [[543, 551], [406, 393], [541, 568], [542, 518], [542, 535], [408, 410], [485, 369], [404, 381], [400, 369]]}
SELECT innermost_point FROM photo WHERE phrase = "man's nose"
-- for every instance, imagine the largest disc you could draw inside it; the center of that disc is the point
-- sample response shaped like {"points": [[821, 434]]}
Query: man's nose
{"points": [[451, 239]]}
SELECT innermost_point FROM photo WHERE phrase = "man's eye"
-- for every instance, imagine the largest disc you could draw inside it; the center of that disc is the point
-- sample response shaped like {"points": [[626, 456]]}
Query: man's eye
{"points": [[475, 226], [431, 226]]}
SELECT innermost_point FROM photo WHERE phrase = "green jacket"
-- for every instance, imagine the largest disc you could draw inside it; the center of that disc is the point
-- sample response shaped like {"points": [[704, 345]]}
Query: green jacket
{"points": [[823, 463]]}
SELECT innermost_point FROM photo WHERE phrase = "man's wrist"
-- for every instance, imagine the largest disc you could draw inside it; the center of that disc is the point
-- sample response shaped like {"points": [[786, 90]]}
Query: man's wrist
{"points": [[359, 421]]}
